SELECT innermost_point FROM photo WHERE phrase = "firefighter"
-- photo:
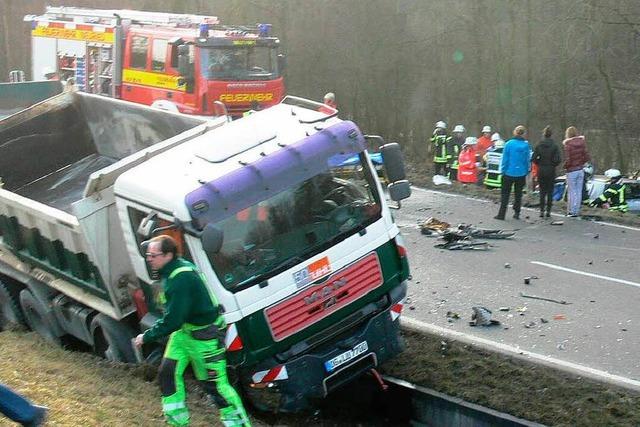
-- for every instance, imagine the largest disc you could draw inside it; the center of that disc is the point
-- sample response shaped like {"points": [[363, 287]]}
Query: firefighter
{"points": [[453, 151], [195, 326], [614, 193], [440, 139], [484, 142], [329, 102], [493, 178], [468, 168]]}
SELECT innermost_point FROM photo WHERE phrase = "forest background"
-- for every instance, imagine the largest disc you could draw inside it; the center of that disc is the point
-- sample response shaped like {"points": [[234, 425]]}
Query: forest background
{"points": [[398, 66]]}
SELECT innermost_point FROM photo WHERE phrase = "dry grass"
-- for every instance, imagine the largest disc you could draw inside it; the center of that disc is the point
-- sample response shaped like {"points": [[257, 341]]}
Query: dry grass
{"points": [[522, 389], [83, 390]]}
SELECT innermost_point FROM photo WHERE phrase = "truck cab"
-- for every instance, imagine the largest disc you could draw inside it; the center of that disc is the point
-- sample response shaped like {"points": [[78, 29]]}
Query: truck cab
{"points": [[303, 254]]}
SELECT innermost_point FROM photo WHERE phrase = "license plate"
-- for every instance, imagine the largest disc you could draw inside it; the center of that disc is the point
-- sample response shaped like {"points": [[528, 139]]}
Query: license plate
{"points": [[341, 359]]}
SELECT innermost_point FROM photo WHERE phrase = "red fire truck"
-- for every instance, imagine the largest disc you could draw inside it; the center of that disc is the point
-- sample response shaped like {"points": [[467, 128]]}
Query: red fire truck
{"points": [[179, 62]]}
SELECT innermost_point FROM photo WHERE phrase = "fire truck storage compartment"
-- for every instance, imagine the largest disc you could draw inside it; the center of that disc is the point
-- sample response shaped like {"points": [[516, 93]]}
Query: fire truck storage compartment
{"points": [[48, 152]]}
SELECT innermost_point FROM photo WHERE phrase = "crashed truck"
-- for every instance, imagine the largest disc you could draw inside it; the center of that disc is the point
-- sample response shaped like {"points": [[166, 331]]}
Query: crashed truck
{"points": [[304, 257]]}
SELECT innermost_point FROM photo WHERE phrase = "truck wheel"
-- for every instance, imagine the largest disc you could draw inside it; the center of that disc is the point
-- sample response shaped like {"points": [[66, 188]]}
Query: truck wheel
{"points": [[10, 312], [37, 317], [112, 339]]}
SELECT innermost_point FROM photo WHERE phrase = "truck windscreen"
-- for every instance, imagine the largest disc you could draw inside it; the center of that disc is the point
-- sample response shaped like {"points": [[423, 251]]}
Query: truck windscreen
{"points": [[244, 62], [293, 225]]}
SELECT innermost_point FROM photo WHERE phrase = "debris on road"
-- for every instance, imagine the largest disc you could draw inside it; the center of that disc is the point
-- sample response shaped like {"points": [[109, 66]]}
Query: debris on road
{"points": [[557, 222], [507, 265], [481, 316], [559, 317], [523, 295], [530, 325], [463, 245], [504, 309], [432, 224], [528, 279], [521, 310], [543, 320], [485, 233]]}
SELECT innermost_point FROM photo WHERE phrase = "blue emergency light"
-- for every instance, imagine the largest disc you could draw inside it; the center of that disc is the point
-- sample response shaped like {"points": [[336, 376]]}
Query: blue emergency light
{"points": [[264, 30]]}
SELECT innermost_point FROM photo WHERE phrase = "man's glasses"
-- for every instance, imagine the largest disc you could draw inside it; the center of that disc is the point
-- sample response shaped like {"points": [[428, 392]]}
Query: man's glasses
{"points": [[150, 255]]}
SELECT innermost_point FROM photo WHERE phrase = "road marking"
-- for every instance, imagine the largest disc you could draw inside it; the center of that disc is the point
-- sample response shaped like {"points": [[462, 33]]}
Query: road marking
{"points": [[510, 350], [585, 273], [444, 193]]}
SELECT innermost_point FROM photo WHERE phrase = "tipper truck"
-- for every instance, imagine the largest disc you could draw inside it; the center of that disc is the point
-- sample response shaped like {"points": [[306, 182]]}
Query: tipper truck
{"points": [[302, 253]]}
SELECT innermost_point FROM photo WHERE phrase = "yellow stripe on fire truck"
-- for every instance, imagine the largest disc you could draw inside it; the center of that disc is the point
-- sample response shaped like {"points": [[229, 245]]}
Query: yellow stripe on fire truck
{"points": [[147, 78], [100, 36]]}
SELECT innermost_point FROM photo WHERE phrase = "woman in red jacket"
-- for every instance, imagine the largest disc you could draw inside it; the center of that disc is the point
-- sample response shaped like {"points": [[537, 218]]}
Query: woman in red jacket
{"points": [[467, 167]]}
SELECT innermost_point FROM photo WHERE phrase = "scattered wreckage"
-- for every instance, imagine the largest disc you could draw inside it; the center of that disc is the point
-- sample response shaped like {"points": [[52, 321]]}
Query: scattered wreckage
{"points": [[463, 236]]}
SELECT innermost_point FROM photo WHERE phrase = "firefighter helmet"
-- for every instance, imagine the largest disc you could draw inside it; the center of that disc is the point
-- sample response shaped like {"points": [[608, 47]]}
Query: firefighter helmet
{"points": [[499, 143], [458, 129], [495, 137], [486, 129], [470, 140], [613, 174], [441, 125]]}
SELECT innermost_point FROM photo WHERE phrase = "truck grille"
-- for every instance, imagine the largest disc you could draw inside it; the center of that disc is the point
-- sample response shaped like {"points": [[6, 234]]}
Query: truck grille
{"points": [[321, 299]]}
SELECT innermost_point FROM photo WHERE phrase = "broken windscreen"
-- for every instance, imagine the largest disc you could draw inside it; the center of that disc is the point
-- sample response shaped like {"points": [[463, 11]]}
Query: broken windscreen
{"points": [[275, 234]]}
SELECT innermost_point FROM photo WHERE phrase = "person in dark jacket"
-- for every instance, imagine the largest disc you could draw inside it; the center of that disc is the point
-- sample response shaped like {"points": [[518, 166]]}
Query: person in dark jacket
{"points": [[514, 167], [547, 156], [575, 156]]}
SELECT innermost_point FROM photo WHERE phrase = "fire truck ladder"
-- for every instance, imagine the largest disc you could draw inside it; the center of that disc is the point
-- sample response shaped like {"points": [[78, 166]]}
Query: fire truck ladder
{"points": [[86, 15]]}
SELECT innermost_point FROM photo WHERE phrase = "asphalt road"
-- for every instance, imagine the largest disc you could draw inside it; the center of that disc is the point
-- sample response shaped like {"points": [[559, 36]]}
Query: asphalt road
{"points": [[594, 267]]}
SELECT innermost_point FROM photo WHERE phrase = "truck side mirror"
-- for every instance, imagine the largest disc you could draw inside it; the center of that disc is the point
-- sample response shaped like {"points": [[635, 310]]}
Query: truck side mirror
{"points": [[393, 162], [147, 225], [185, 68], [399, 190], [282, 62], [212, 238]]}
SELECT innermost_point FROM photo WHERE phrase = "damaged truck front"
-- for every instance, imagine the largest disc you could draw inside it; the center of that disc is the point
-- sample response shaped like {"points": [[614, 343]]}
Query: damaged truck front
{"points": [[302, 253]]}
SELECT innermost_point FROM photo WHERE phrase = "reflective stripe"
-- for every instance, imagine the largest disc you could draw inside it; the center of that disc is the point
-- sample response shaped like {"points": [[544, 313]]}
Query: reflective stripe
{"points": [[179, 270], [173, 406]]}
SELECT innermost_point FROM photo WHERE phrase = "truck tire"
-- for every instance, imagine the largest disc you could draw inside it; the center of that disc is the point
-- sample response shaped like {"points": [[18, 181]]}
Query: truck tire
{"points": [[112, 339], [10, 312], [38, 318]]}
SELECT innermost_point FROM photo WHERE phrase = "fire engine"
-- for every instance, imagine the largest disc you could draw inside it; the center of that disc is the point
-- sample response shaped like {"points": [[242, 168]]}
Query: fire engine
{"points": [[178, 62]]}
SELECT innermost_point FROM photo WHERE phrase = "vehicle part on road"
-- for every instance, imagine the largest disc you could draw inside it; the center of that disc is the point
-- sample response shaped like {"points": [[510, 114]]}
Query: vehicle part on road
{"points": [[463, 245], [435, 224], [523, 295], [481, 316], [485, 233], [557, 223]]}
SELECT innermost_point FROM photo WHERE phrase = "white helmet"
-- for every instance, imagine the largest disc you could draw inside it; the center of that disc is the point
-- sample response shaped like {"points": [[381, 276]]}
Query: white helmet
{"points": [[459, 129], [441, 125], [470, 140], [330, 96], [612, 173], [499, 143], [495, 137], [486, 129]]}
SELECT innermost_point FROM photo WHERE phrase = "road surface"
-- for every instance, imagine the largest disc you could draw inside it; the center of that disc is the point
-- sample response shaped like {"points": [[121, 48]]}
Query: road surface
{"points": [[593, 267]]}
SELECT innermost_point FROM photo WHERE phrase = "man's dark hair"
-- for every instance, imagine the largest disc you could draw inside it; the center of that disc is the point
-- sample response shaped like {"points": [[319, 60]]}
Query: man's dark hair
{"points": [[547, 132], [167, 244]]}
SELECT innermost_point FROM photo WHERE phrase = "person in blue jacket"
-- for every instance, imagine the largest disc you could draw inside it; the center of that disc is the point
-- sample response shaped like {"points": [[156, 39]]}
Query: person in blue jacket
{"points": [[514, 167]]}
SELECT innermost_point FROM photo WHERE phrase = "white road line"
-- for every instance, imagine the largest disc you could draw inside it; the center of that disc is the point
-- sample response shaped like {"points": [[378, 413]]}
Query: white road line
{"points": [[584, 273], [510, 350], [444, 193]]}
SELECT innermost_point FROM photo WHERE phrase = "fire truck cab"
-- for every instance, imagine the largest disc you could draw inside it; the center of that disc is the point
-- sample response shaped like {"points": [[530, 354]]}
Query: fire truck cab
{"points": [[179, 62]]}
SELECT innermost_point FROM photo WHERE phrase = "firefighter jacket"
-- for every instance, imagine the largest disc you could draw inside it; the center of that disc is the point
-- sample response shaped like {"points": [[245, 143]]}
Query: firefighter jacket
{"points": [[614, 195], [492, 177], [483, 145], [467, 169], [453, 150], [440, 140]]}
